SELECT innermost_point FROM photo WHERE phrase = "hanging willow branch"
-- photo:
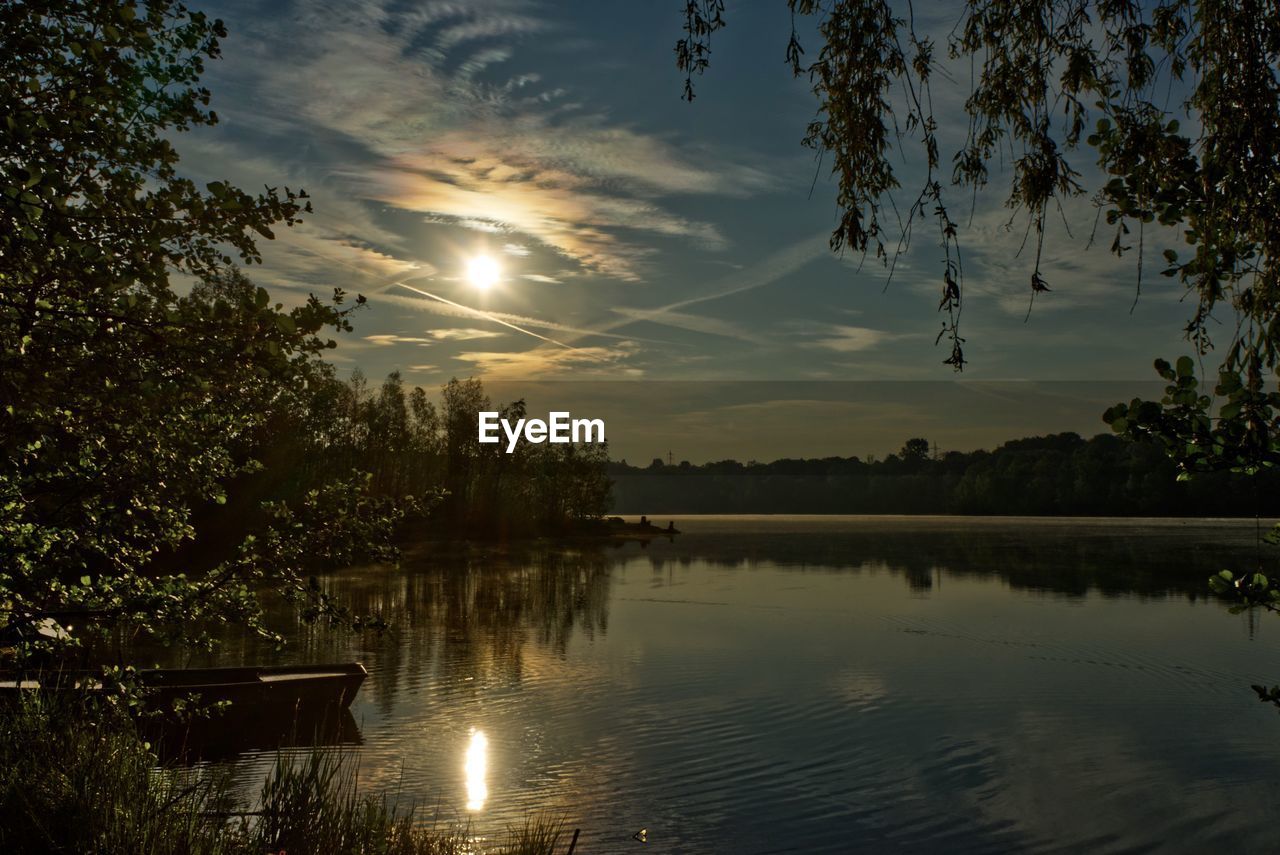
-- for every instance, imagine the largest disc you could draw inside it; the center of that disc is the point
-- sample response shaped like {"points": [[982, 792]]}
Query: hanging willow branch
{"points": [[1051, 77]]}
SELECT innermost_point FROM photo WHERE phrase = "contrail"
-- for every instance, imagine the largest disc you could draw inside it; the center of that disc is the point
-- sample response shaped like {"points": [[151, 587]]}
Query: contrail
{"points": [[765, 272], [477, 312], [482, 314]]}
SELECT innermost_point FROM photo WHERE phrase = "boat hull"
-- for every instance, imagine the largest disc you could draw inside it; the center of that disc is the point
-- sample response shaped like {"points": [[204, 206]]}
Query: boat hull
{"points": [[283, 687], [247, 689]]}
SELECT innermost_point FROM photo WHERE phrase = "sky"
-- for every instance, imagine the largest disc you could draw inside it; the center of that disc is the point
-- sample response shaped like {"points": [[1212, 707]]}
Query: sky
{"points": [[639, 238]]}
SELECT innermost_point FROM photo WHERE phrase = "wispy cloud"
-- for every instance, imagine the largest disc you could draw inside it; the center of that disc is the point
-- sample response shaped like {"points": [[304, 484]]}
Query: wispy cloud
{"points": [[692, 323], [385, 339], [848, 339], [432, 336], [582, 362], [462, 334], [765, 272], [432, 130], [445, 134], [564, 211], [455, 311]]}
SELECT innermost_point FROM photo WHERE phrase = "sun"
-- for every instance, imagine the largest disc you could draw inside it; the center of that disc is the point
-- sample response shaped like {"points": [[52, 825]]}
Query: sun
{"points": [[483, 272]]}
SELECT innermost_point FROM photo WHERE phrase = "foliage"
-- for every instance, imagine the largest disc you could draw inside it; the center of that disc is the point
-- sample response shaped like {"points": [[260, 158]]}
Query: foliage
{"points": [[411, 443], [415, 446], [916, 448], [81, 780], [77, 778], [1044, 74], [536, 488], [1243, 435], [1237, 430], [128, 399], [1249, 591]]}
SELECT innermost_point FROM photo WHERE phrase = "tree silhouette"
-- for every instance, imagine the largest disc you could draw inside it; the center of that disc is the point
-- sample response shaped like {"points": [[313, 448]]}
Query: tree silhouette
{"points": [[915, 450]]}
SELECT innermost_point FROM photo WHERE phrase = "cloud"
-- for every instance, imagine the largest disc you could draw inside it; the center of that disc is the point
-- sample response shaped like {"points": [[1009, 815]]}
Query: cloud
{"points": [[413, 98], [581, 362], [389, 339], [692, 323], [848, 339], [563, 211], [999, 254], [425, 130], [456, 311], [340, 244], [462, 334], [433, 336], [765, 272]]}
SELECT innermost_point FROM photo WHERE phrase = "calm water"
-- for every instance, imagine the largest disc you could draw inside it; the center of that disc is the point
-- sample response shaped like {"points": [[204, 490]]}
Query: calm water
{"points": [[827, 685]]}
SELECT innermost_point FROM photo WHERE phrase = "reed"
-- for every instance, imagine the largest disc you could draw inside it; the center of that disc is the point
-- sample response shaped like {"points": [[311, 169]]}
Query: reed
{"points": [[78, 778]]}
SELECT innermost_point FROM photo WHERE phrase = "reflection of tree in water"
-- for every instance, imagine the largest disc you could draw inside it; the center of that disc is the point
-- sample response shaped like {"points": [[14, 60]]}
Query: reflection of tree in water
{"points": [[460, 619], [919, 578], [1066, 560]]}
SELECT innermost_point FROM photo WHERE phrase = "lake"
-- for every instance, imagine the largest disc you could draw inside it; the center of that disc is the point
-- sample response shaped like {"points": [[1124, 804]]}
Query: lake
{"points": [[824, 684]]}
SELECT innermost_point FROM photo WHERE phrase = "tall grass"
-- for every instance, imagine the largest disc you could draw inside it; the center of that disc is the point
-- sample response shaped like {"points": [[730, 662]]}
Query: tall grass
{"points": [[76, 778], [312, 804]]}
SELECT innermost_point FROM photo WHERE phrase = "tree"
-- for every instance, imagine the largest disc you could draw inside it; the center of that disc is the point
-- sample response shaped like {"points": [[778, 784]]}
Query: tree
{"points": [[125, 403], [1050, 77], [915, 450]]}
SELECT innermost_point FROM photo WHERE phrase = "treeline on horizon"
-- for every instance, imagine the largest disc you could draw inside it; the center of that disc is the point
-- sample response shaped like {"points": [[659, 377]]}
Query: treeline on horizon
{"points": [[1058, 475]]}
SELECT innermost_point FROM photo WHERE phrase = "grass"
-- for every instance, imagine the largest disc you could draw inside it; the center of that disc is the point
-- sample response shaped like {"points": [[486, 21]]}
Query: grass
{"points": [[79, 779]]}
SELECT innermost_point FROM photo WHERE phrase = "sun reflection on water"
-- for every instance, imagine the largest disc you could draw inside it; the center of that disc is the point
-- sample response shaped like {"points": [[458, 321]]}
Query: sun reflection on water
{"points": [[476, 767]]}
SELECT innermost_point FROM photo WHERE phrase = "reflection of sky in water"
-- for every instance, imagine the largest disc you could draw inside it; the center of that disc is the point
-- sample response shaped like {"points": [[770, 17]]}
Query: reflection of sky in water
{"points": [[882, 686]]}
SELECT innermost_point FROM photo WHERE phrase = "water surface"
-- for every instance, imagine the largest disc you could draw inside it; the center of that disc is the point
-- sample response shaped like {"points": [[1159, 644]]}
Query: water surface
{"points": [[788, 684]]}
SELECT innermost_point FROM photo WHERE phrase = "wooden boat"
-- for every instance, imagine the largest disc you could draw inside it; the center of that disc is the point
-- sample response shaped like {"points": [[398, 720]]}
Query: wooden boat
{"points": [[280, 687], [253, 688]]}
